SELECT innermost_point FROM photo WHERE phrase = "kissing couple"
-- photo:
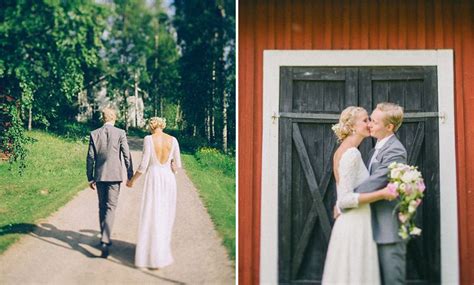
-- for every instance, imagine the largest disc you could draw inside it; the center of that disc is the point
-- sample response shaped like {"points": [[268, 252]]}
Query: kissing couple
{"points": [[365, 247]]}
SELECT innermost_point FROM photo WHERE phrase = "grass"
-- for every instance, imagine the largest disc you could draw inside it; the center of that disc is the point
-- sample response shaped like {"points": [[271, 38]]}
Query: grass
{"points": [[55, 173], [213, 174]]}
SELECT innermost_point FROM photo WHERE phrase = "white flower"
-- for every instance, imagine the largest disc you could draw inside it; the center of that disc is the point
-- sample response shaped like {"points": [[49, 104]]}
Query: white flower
{"points": [[395, 174], [409, 176], [415, 231]]}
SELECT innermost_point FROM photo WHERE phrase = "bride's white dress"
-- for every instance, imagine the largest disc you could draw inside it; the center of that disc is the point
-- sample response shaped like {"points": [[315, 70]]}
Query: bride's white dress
{"points": [[158, 207], [352, 253]]}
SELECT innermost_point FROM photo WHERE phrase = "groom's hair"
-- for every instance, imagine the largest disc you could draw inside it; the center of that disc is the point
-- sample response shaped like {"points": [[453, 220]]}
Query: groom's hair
{"points": [[393, 114], [108, 115]]}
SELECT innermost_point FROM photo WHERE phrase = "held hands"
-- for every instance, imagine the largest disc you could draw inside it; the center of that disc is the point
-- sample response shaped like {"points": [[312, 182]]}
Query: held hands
{"points": [[173, 167], [389, 195], [336, 213]]}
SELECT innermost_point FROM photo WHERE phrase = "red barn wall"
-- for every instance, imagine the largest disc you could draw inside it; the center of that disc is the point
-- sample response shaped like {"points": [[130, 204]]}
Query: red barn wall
{"points": [[344, 24]]}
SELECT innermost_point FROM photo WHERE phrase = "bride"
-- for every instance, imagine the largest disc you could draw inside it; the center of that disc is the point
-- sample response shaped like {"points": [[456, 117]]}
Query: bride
{"points": [[352, 253], [158, 205]]}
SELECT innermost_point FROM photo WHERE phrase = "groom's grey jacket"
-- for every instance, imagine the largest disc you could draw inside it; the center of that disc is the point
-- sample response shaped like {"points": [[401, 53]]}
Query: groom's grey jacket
{"points": [[384, 222], [107, 145]]}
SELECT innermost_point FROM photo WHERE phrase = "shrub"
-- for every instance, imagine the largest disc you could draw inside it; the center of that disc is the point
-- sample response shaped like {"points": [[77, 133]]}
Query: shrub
{"points": [[214, 159]]}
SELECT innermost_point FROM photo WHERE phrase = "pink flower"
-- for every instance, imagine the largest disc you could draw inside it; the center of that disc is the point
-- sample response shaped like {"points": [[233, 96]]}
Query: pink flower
{"points": [[421, 186], [418, 202], [392, 188], [402, 218], [408, 189]]}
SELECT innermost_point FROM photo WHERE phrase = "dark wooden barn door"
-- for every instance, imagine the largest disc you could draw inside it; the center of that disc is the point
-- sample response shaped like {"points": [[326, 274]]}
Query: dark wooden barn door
{"points": [[311, 100]]}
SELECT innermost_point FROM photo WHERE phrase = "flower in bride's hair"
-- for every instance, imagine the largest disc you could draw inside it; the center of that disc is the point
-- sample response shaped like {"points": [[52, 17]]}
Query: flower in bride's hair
{"points": [[336, 128]]}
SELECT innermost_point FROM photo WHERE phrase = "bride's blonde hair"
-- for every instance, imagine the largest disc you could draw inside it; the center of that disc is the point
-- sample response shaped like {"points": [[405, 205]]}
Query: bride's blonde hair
{"points": [[345, 127], [156, 122]]}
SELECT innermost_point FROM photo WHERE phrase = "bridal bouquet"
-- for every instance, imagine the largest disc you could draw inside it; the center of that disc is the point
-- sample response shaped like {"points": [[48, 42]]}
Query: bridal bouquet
{"points": [[406, 180]]}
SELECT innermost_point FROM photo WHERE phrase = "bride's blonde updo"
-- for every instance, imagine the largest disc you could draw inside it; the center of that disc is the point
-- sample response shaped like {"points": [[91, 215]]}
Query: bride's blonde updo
{"points": [[156, 122], [345, 127]]}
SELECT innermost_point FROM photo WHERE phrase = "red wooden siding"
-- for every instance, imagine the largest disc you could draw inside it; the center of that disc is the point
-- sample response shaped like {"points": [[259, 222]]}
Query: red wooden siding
{"points": [[344, 24]]}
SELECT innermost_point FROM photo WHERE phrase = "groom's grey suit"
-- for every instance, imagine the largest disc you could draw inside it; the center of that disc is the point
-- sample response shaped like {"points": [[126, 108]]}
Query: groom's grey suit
{"points": [[107, 146], [391, 248]]}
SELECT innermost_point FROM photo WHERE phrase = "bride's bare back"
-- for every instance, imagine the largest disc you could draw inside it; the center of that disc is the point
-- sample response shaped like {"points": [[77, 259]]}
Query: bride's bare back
{"points": [[163, 144]]}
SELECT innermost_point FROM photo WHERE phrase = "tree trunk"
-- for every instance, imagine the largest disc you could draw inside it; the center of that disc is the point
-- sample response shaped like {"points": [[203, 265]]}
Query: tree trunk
{"points": [[29, 118], [136, 102], [176, 118], [224, 122], [161, 106], [125, 107]]}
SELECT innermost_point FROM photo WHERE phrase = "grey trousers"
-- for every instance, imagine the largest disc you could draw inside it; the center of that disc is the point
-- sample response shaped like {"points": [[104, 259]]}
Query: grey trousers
{"points": [[392, 260], [108, 193]]}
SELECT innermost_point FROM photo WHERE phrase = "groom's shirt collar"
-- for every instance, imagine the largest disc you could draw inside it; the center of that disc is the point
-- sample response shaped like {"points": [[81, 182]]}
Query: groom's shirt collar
{"points": [[383, 141], [109, 123]]}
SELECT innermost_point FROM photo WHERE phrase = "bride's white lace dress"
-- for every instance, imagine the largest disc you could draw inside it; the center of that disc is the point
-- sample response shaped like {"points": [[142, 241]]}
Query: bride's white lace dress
{"points": [[158, 207], [352, 253]]}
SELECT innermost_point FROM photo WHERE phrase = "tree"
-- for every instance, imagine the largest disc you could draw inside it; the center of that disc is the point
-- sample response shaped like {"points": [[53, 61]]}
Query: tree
{"points": [[127, 47], [206, 35], [46, 47]]}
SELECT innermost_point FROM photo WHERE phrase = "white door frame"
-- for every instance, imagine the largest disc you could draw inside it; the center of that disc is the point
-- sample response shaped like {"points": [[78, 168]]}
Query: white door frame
{"points": [[274, 59]]}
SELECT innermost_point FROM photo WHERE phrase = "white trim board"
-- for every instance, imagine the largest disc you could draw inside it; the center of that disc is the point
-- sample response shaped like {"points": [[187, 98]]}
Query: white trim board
{"points": [[274, 59]]}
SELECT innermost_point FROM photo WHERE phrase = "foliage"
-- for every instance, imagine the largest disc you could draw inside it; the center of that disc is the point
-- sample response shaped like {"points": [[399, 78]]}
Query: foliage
{"points": [[14, 141], [47, 48], [46, 185]]}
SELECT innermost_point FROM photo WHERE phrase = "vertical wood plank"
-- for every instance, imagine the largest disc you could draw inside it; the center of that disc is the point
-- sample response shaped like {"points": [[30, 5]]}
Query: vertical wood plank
{"points": [[374, 24], [402, 24], [421, 24], [467, 30], [319, 23], [346, 24], [337, 31], [271, 33], [438, 24], [297, 24], [246, 79], [288, 23], [308, 24], [355, 36], [412, 29], [430, 24], [392, 29], [364, 24], [280, 26], [328, 26], [383, 30]]}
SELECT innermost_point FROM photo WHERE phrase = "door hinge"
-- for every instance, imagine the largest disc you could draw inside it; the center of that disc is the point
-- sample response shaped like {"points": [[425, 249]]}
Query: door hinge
{"points": [[275, 116]]}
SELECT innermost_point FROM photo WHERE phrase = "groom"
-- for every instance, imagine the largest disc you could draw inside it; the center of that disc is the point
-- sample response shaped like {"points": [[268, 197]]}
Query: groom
{"points": [[107, 146], [384, 122]]}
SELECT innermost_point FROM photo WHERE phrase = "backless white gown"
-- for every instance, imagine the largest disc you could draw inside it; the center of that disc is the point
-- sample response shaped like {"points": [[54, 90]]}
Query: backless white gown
{"points": [[158, 207], [352, 253]]}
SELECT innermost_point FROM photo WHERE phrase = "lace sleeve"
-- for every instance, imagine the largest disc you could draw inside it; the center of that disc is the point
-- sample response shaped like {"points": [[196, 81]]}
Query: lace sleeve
{"points": [[348, 171], [176, 154], [146, 155]]}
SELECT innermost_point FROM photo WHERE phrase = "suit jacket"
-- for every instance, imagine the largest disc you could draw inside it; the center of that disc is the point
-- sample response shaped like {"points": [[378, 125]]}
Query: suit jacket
{"points": [[385, 223], [107, 146]]}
